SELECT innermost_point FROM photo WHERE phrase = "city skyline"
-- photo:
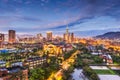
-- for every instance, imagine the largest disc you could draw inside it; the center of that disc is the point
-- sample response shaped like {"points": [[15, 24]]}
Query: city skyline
{"points": [[59, 39], [40, 16]]}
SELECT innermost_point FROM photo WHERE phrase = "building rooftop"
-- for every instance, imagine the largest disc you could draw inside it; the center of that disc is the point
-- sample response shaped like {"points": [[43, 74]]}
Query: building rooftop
{"points": [[35, 58], [15, 69], [2, 62]]}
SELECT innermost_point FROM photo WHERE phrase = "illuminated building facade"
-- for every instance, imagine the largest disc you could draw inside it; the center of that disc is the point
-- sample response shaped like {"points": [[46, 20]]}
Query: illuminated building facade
{"points": [[68, 37], [72, 37], [12, 36], [53, 50]]}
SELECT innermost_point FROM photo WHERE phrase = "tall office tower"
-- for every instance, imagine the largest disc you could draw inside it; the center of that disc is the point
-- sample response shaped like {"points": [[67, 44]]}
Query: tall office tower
{"points": [[67, 35], [12, 36], [64, 36], [39, 36], [72, 37], [67, 30], [1, 37], [1, 40], [49, 35]]}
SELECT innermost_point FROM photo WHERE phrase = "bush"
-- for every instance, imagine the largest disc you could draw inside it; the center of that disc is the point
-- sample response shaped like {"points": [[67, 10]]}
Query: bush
{"points": [[94, 77], [90, 73], [97, 59]]}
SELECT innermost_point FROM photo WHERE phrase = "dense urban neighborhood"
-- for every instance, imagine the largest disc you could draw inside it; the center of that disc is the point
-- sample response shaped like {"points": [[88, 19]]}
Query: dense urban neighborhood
{"points": [[49, 58], [59, 39]]}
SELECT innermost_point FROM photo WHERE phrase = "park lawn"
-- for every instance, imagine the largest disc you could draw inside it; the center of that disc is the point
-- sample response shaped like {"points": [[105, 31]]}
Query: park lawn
{"points": [[105, 72]]}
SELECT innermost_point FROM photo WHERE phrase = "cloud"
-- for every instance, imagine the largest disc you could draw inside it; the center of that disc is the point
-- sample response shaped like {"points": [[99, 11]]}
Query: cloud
{"points": [[57, 14], [25, 18]]}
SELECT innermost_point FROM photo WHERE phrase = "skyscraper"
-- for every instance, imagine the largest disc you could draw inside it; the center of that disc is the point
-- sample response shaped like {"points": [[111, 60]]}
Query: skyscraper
{"points": [[67, 30], [64, 35], [67, 34], [72, 37], [49, 35], [68, 37], [1, 37], [39, 36], [12, 36]]}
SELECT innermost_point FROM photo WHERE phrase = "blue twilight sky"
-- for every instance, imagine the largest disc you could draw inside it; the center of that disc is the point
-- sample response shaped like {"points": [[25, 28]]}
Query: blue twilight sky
{"points": [[39, 16]]}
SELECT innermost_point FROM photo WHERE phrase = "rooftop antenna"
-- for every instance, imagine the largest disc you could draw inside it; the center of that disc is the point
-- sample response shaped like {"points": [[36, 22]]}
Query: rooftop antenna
{"points": [[67, 29]]}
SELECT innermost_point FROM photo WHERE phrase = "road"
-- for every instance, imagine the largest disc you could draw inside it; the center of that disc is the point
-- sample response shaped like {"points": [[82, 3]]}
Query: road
{"points": [[65, 65]]}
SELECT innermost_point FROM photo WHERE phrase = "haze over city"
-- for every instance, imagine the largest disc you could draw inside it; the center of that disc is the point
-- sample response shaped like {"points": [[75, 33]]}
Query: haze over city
{"points": [[84, 17]]}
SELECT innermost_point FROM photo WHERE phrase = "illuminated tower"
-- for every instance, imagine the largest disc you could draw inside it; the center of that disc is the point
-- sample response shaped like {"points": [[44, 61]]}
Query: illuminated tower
{"points": [[12, 36], [67, 35], [67, 30]]}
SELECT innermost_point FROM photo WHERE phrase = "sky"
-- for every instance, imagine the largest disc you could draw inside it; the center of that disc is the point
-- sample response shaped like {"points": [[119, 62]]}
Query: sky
{"points": [[39, 16]]}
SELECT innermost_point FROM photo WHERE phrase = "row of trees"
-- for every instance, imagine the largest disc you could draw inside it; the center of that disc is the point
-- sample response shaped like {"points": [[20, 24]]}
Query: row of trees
{"points": [[42, 73], [116, 59], [68, 54], [90, 73], [84, 59], [67, 73]]}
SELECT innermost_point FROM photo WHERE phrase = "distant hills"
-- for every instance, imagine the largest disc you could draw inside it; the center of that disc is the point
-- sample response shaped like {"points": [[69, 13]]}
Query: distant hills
{"points": [[92, 33], [25, 35], [110, 35]]}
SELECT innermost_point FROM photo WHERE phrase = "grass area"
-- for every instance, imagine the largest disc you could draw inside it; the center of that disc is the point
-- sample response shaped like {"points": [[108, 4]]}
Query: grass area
{"points": [[105, 72], [115, 63]]}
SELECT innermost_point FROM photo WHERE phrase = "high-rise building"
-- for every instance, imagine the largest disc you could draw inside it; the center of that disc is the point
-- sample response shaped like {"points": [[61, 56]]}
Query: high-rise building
{"points": [[68, 37], [67, 30], [12, 36], [2, 37], [1, 40], [64, 36], [67, 34], [49, 35], [39, 36], [72, 37]]}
